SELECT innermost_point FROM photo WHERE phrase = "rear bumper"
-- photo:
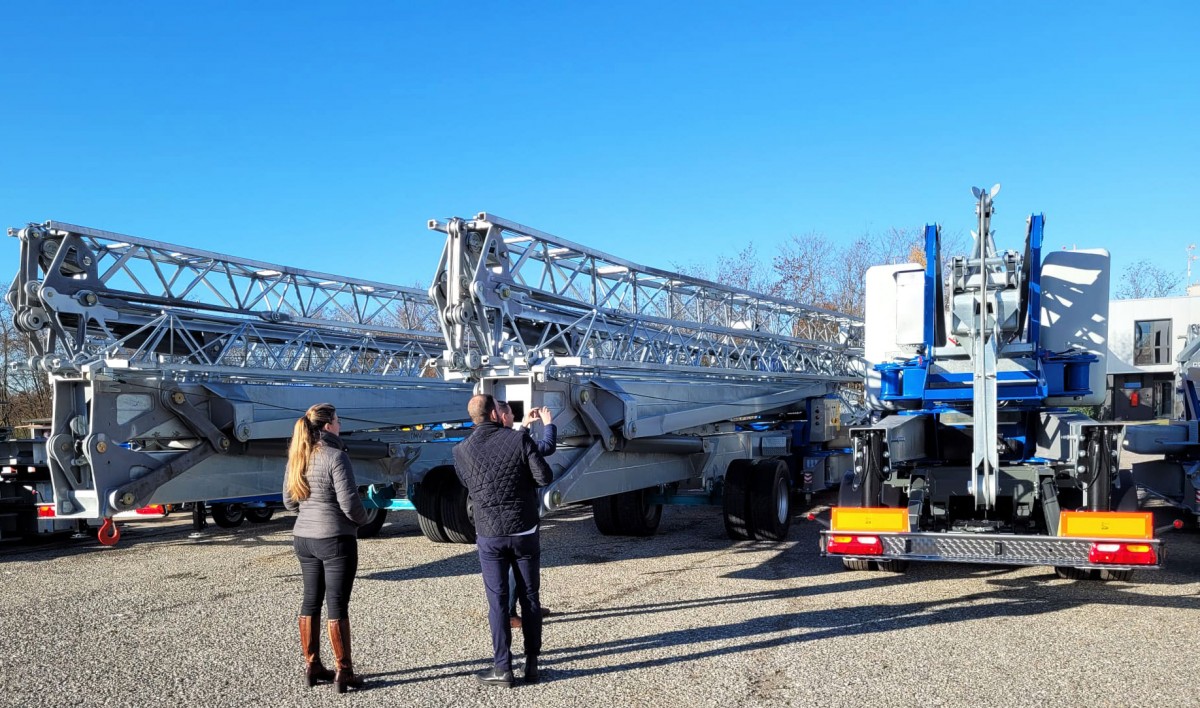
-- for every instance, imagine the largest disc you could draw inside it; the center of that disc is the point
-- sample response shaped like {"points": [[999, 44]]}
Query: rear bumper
{"points": [[1000, 549]]}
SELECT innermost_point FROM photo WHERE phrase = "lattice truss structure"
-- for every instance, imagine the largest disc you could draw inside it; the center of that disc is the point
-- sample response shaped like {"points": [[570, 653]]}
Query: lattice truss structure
{"points": [[519, 295], [84, 296]]}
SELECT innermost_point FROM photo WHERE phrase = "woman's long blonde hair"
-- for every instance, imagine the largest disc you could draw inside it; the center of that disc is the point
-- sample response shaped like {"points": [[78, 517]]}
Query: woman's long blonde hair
{"points": [[305, 436]]}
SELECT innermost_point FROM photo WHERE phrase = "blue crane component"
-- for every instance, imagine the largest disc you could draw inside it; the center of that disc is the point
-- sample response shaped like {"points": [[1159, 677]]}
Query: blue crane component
{"points": [[978, 372]]}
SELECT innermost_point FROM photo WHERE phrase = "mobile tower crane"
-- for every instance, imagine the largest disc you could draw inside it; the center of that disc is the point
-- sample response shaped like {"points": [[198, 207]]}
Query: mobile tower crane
{"points": [[977, 455], [666, 389], [178, 373]]}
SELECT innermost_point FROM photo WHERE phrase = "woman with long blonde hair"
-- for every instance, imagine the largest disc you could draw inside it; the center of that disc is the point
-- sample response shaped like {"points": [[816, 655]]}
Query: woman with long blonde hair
{"points": [[320, 485]]}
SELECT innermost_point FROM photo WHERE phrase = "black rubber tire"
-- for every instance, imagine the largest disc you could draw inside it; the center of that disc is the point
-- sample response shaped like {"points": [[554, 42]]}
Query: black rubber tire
{"points": [[227, 516], [376, 518], [894, 565], [1117, 575], [457, 521], [259, 514], [737, 499], [634, 516], [604, 514], [1066, 572], [427, 498], [770, 501], [854, 564]]}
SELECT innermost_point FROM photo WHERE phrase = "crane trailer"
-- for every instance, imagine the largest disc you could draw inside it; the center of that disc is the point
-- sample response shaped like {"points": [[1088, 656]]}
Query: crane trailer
{"points": [[178, 373], [666, 388]]}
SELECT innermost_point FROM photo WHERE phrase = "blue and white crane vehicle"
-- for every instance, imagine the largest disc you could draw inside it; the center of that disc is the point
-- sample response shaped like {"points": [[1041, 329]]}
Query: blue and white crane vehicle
{"points": [[981, 451]]}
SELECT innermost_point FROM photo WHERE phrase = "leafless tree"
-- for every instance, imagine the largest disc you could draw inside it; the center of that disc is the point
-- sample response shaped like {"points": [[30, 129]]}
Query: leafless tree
{"points": [[804, 268], [25, 394], [743, 270], [814, 270], [1144, 279]]}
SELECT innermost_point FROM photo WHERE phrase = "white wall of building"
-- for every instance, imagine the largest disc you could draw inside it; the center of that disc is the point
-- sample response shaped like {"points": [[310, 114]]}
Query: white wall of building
{"points": [[1122, 316], [1154, 384]]}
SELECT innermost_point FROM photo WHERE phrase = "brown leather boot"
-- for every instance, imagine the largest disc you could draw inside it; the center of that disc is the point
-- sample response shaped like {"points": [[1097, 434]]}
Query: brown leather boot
{"points": [[339, 638], [310, 646]]}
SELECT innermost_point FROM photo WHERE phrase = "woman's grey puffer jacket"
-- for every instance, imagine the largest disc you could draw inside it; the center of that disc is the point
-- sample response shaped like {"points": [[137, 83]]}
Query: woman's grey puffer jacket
{"points": [[333, 507]]}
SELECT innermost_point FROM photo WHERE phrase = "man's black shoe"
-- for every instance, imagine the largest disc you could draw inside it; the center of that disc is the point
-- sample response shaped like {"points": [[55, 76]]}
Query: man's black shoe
{"points": [[531, 669], [495, 677]]}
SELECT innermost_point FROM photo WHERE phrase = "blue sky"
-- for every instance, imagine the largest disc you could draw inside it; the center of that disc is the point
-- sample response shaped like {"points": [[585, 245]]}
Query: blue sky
{"points": [[325, 135]]}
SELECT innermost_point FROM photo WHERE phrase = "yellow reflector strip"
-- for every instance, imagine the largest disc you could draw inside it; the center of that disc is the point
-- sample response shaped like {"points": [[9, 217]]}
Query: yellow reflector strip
{"points": [[875, 520], [1106, 524]]}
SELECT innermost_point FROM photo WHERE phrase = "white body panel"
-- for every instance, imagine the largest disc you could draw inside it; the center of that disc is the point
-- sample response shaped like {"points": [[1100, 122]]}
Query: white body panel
{"points": [[1075, 313], [895, 319]]}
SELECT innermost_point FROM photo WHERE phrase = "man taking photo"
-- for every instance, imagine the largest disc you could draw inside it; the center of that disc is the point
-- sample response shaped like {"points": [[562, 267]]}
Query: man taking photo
{"points": [[502, 470]]}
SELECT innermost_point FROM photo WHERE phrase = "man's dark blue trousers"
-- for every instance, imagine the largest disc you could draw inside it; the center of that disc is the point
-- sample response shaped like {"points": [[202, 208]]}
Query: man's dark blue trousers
{"points": [[524, 554]]}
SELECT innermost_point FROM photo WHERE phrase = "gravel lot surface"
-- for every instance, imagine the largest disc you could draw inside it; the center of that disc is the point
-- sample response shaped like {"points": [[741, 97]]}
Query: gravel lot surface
{"points": [[682, 618]]}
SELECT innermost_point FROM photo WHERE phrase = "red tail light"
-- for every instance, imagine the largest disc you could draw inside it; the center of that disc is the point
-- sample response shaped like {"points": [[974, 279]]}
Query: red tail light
{"points": [[854, 545], [152, 510], [1123, 554], [45, 511]]}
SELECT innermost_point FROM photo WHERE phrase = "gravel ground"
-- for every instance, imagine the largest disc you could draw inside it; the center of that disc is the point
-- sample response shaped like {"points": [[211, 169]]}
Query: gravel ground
{"points": [[683, 618]]}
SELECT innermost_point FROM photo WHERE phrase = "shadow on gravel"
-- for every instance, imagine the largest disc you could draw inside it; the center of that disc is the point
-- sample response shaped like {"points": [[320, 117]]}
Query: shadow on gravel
{"points": [[143, 534], [1012, 598], [1015, 597]]}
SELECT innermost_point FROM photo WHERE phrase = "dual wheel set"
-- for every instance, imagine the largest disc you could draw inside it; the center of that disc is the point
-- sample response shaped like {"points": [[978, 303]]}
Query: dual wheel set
{"points": [[233, 515], [756, 500], [229, 516]]}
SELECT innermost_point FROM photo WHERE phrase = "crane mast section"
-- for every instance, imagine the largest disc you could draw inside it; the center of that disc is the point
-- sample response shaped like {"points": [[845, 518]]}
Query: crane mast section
{"points": [[177, 373], [656, 379], [512, 297], [86, 296]]}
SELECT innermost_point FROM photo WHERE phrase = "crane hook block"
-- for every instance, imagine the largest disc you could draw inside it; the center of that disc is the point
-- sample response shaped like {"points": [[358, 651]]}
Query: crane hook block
{"points": [[109, 533]]}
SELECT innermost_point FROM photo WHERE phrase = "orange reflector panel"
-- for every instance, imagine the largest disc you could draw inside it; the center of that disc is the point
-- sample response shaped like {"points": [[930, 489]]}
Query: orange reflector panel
{"points": [[873, 519], [1106, 524]]}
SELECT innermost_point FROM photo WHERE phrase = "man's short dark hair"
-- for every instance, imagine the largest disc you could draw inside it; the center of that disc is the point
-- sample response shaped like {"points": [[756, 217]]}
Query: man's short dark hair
{"points": [[480, 407]]}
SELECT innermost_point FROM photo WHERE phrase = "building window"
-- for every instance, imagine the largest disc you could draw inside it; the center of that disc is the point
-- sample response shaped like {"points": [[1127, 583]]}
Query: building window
{"points": [[1152, 342]]}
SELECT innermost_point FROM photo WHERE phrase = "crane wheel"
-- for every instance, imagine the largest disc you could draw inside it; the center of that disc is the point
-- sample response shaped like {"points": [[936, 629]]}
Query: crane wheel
{"points": [[427, 498]]}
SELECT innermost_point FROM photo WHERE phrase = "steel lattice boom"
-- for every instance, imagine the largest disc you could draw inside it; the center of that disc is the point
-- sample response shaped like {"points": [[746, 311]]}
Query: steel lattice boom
{"points": [[516, 295], [178, 374], [85, 295]]}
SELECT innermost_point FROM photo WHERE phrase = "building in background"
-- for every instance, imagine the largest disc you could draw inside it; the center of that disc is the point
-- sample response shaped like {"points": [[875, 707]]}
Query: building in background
{"points": [[1144, 337]]}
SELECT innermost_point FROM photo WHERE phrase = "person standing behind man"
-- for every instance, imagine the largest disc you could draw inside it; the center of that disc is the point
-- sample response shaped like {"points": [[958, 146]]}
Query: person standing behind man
{"points": [[546, 447], [549, 442], [502, 470], [320, 485]]}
